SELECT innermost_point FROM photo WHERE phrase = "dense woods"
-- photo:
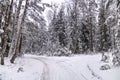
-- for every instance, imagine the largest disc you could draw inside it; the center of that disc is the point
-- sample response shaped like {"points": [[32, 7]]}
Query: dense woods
{"points": [[74, 27]]}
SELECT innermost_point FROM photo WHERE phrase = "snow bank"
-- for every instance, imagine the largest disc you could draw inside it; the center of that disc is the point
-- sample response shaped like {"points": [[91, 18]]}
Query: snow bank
{"points": [[24, 69]]}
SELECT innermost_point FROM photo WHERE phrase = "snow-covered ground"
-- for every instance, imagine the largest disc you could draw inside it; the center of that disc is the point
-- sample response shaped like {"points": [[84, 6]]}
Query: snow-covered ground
{"points": [[82, 67]]}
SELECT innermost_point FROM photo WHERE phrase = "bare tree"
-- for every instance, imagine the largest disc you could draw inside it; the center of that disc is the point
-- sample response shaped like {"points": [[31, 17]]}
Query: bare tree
{"points": [[15, 26], [5, 28], [17, 47]]}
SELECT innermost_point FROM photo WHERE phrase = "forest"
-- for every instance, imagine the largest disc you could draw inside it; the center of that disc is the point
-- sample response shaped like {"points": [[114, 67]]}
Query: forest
{"points": [[74, 27]]}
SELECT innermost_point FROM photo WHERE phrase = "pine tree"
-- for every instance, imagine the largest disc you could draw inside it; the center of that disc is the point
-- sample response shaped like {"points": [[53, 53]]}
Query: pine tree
{"points": [[84, 37], [104, 42], [60, 28]]}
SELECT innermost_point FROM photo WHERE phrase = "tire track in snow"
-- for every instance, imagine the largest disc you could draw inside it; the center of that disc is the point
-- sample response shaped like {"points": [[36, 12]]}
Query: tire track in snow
{"points": [[45, 73], [93, 73], [63, 67], [85, 78], [68, 72], [71, 72]]}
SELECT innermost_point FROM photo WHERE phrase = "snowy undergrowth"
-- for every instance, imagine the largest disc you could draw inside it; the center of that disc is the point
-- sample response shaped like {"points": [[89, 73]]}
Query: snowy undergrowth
{"points": [[81, 67]]}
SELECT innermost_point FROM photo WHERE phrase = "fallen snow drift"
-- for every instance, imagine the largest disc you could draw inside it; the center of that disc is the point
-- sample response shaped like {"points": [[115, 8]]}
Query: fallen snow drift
{"points": [[82, 67]]}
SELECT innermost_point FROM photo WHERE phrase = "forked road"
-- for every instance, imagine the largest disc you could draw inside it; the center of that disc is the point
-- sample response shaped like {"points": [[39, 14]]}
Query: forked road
{"points": [[53, 70]]}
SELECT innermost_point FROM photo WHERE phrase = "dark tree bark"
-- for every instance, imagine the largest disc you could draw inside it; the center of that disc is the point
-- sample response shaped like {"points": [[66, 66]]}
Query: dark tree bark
{"points": [[19, 35], [5, 35], [15, 25]]}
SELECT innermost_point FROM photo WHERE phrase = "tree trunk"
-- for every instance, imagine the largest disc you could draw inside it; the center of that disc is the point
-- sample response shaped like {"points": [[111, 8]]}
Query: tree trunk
{"points": [[12, 47], [4, 49], [5, 36], [19, 34], [75, 41], [1, 14], [91, 31]]}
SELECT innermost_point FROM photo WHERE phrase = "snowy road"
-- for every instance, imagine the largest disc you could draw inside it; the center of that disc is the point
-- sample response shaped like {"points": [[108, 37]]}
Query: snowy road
{"points": [[83, 67], [58, 70], [45, 73]]}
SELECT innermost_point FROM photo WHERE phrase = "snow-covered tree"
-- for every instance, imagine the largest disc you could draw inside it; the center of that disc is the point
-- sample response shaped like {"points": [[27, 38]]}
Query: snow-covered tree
{"points": [[104, 42]]}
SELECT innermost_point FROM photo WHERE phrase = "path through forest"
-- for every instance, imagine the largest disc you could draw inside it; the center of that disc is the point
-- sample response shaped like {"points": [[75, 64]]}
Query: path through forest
{"points": [[80, 67], [59, 70]]}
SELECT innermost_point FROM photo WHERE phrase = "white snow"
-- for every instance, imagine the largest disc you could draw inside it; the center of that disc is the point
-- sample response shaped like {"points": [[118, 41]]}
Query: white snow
{"points": [[1, 30], [81, 67]]}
